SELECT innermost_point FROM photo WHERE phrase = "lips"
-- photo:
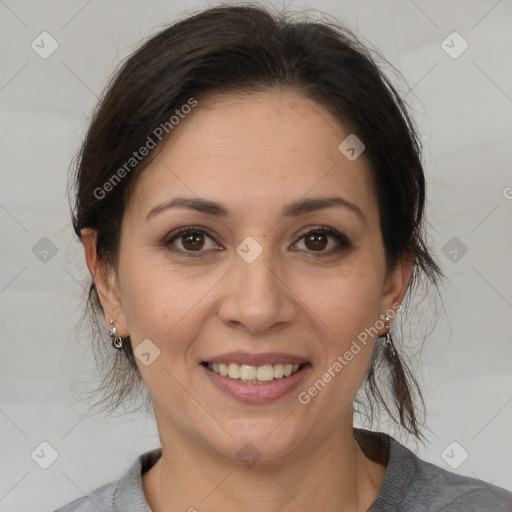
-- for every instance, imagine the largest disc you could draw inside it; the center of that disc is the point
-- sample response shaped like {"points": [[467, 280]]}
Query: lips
{"points": [[256, 378], [256, 359]]}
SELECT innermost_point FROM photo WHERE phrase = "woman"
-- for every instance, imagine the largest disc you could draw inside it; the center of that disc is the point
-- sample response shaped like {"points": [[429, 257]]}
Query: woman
{"points": [[250, 200]]}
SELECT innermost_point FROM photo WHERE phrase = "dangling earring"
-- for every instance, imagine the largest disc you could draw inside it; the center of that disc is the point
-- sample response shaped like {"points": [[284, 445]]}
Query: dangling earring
{"points": [[390, 348], [117, 341]]}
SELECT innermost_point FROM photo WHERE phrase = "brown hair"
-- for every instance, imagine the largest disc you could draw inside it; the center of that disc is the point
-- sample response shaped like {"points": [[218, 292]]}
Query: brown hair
{"points": [[242, 49]]}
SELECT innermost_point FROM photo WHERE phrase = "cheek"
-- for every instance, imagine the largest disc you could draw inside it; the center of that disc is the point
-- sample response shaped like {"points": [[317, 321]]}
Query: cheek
{"points": [[347, 347], [348, 308], [156, 304], [347, 301], [160, 307], [151, 297], [166, 304]]}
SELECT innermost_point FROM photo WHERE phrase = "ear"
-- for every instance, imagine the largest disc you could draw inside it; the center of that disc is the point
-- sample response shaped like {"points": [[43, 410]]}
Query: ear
{"points": [[106, 283], [396, 283]]}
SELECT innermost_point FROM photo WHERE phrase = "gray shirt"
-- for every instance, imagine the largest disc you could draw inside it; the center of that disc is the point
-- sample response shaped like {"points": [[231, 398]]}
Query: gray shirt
{"points": [[410, 485]]}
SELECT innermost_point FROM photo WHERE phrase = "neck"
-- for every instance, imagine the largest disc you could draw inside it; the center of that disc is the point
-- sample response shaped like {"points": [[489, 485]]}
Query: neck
{"points": [[334, 475]]}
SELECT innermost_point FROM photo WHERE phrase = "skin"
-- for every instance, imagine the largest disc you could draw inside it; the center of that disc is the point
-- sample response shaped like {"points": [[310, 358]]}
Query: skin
{"points": [[253, 154]]}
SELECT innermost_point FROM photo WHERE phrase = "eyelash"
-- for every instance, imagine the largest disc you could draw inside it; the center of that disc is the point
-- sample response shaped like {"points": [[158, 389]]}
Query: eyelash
{"points": [[343, 241]]}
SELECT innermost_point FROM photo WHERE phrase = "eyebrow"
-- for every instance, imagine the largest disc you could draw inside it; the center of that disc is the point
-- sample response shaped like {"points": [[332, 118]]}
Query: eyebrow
{"points": [[293, 209]]}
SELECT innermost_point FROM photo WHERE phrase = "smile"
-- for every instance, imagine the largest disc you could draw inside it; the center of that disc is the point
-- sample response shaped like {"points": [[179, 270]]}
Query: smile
{"points": [[256, 383], [251, 374]]}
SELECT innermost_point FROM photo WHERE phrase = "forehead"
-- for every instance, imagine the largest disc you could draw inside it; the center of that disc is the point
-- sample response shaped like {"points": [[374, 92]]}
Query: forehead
{"points": [[275, 146]]}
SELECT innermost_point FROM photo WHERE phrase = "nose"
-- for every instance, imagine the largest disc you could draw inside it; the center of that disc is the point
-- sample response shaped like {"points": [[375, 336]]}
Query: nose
{"points": [[258, 296]]}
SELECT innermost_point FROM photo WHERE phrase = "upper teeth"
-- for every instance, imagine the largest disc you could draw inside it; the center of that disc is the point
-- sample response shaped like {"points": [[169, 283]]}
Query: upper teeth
{"points": [[247, 372]]}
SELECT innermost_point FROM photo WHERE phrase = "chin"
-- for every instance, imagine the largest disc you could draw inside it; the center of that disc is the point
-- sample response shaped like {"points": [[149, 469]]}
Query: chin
{"points": [[253, 441]]}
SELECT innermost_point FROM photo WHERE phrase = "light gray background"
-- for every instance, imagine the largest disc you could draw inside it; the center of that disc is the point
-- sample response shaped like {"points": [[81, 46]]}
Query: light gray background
{"points": [[463, 109]]}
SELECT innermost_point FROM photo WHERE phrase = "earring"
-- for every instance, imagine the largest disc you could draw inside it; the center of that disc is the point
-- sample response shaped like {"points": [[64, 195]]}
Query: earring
{"points": [[390, 348], [117, 341]]}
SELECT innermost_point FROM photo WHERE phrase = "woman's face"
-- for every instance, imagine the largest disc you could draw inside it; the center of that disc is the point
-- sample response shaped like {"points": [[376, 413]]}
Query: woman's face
{"points": [[248, 287]]}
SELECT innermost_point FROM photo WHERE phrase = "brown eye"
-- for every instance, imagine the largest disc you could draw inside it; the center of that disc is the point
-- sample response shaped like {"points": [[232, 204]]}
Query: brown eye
{"points": [[192, 241], [316, 241]]}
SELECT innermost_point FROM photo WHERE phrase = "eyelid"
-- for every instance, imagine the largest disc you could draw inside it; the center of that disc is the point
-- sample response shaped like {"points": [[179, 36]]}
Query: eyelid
{"points": [[343, 241], [326, 229], [177, 233]]}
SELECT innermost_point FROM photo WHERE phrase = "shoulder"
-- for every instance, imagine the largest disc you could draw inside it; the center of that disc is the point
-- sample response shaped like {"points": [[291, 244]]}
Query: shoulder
{"points": [[447, 491], [101, 498], [415, 485], [119, 495]]}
